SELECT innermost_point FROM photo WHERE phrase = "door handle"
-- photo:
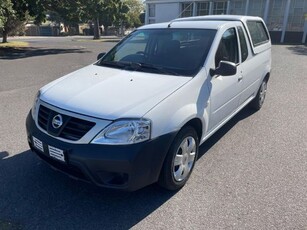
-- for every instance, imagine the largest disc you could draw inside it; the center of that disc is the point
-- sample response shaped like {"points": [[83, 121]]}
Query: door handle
{"points": [[240, 78]]}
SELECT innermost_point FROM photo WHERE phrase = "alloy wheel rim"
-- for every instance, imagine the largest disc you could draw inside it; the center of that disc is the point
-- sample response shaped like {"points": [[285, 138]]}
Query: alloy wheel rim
{"points": [[184, 159]]}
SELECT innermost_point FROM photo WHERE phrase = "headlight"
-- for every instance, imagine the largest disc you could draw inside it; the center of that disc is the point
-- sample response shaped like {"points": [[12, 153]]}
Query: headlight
{"points": [[124, 132], [35, 104]]}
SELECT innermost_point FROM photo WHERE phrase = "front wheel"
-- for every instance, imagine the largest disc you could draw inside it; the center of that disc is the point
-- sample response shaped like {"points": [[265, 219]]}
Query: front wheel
{"points": [[258, 101], [180, 160]]}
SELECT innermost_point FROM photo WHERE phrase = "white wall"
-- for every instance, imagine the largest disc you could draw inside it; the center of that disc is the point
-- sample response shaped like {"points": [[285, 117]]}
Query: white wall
{"points": [[166, 12]]}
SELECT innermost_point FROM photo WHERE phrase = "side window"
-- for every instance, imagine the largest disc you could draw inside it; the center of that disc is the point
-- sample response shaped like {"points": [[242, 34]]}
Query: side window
{"points": [[258, 32], [243, 44], [228, 48]]}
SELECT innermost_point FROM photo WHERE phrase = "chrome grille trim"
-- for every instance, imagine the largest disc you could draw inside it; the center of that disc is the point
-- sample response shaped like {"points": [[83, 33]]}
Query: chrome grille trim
{"points": [[100, 124]]}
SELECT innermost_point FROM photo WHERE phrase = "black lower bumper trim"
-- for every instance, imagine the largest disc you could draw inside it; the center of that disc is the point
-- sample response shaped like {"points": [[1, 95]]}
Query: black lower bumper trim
{"points": [[68, 169], [127, 167]]}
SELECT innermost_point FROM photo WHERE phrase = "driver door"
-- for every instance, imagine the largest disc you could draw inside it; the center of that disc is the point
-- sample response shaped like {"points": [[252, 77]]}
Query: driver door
{"points": [[225, 90]]}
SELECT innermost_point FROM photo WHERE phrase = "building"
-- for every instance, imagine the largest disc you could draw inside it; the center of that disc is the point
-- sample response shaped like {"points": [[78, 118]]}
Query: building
{"points": [[286, 19], [46, 29]]}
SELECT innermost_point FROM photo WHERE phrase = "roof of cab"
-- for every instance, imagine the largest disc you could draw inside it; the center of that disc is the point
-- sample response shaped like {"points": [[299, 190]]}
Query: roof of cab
{"points": [[212, 22], [219, 18]]}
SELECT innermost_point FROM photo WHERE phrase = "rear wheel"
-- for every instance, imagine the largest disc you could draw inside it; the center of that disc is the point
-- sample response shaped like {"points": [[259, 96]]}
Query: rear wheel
{"points": [[258, 101], [180, 160]]}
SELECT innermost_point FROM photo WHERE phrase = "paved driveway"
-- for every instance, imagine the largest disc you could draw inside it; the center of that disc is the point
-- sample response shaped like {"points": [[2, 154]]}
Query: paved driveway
{"points": [[252, 174]]}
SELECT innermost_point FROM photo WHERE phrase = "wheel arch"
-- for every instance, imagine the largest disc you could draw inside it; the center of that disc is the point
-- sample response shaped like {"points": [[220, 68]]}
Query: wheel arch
{"points": [[267, 77], [195, 123]]}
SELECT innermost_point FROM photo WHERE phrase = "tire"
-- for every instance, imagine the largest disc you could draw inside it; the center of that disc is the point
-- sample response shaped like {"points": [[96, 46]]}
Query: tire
{"points": [[180, 159], [258, 101]]}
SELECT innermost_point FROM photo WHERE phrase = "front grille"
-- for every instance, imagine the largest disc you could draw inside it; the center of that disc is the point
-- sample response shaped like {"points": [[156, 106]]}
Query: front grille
{"points": [[43, 116], [72, 129], [76, 128]]}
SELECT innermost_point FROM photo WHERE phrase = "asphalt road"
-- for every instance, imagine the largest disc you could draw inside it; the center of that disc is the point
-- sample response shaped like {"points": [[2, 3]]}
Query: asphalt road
{"points": [[252, 174]]}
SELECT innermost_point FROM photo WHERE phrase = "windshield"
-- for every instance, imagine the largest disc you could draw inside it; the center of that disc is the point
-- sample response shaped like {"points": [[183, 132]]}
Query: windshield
{"points": [[166, 51]]}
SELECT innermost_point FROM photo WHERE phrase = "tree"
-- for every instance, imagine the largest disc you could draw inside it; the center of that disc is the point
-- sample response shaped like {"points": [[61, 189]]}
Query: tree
{"points": [[7, 14], [65, 11], [89, 10], [113, 13], [136, 8], [103, 12], [73, 12], [1, 15], [13, 14]]}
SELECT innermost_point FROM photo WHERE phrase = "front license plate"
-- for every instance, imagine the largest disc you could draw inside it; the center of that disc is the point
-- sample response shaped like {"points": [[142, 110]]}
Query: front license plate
{"points": [[56, 153]]}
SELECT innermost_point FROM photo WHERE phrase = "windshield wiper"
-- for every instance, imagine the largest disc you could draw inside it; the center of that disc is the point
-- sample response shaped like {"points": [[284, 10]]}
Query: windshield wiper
{"points": [[121, 64], [138, 66], [112, 64], [156, 68]]}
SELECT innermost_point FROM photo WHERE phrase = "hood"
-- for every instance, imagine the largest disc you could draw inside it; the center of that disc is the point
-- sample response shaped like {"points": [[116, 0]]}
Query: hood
{"points": [[110, 93]]}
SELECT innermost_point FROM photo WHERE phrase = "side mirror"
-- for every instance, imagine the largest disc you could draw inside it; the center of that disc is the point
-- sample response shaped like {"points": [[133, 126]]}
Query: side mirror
{"points": [[225, 68], [100, 55]]}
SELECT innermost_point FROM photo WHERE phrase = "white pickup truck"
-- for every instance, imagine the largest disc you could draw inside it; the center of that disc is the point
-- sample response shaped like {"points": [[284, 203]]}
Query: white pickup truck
{"points": [[138, 115]]}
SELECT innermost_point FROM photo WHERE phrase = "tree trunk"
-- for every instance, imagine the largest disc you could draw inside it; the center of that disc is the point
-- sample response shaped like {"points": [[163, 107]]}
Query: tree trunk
{"points": [[4, 38], [96, 28]]}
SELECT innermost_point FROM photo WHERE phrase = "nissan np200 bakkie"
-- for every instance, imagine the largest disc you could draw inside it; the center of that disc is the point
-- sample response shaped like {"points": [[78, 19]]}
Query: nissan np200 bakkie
{"points": [[138, 115]]}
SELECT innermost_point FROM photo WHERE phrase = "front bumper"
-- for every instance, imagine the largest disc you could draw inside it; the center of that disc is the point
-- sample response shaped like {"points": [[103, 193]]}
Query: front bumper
{"points": [[127, 167]]}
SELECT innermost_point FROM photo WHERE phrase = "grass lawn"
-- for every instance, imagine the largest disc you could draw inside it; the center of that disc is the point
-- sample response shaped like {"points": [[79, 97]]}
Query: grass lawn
{"points": [[14, 44]]}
